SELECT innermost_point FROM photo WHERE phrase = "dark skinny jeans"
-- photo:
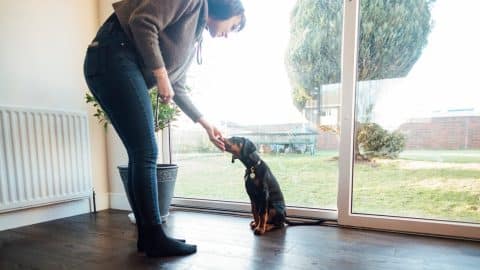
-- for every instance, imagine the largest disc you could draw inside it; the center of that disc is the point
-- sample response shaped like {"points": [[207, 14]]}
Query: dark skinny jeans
{"points": [[115, 78]]}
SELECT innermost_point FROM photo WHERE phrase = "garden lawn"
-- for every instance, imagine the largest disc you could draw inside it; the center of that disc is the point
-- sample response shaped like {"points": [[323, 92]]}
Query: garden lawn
{"points": [[427, 184]]}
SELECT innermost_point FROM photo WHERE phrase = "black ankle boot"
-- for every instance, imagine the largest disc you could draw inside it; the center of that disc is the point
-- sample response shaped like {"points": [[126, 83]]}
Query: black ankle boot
{"points": [[141, 239], [158, 244]]}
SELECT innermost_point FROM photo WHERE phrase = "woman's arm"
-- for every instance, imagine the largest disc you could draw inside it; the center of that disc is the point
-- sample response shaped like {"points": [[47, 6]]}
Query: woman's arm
{"points": [[183, 101]]}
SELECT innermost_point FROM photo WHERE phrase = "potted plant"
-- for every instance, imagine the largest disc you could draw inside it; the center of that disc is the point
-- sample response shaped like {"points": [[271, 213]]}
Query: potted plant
{"points": [[164, 114]]}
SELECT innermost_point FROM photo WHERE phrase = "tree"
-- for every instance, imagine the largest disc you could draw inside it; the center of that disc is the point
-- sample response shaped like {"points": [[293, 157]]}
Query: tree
{"points": [[392, 36]]}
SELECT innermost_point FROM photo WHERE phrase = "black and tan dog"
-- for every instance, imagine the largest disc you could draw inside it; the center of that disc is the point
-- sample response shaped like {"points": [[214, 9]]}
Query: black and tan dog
{"points": [[266, 198]]}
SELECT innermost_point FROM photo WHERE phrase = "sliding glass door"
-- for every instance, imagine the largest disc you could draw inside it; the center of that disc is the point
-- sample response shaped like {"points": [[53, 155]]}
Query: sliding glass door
{"points": [[412, 158], [262, 84], [368, 111]]}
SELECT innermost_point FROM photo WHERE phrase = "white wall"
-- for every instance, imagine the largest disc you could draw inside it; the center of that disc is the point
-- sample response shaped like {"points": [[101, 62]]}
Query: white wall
{"points": [[105, 9], [116, 153], [42, 48]]}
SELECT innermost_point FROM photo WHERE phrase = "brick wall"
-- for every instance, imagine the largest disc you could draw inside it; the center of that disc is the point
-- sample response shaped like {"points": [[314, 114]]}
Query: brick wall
{"points": [[462, 132]]}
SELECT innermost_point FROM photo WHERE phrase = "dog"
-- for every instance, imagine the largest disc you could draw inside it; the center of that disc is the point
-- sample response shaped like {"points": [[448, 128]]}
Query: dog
{"points": [[266, 197]]}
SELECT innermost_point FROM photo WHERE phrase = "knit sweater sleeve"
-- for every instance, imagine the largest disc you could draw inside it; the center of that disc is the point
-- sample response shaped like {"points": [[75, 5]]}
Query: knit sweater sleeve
{"points": [[183, 100], [150, 18]]}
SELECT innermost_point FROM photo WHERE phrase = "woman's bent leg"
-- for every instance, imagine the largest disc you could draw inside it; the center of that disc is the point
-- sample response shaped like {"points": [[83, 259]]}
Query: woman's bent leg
{"points": [[121, 91]]}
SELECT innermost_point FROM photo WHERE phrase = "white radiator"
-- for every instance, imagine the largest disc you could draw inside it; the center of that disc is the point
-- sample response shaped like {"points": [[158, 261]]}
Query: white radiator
{"points": [[44, 157]]}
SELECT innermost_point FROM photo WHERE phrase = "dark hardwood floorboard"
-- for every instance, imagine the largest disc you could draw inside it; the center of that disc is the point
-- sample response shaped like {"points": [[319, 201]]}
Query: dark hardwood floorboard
{"points": [[108, 241]]}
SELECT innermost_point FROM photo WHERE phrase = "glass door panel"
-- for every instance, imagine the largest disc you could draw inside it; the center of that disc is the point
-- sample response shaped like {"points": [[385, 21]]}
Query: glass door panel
{"points": [[244, 87], [417, 111]]}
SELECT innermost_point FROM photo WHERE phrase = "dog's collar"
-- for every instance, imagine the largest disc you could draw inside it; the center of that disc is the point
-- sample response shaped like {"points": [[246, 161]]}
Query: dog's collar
{"points": [[256, 164], [251, 174]]}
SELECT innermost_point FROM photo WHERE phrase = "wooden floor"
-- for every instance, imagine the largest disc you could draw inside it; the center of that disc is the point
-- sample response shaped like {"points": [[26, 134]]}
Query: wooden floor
{"points": [[107, 241]]}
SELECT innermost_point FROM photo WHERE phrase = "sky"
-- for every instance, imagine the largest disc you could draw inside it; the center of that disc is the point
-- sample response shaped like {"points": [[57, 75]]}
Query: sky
{"points": [[446, 75], [243, 78]]}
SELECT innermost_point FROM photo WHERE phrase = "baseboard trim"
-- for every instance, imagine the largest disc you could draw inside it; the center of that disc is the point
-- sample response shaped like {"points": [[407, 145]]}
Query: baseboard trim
{"points": [[119, 201]]}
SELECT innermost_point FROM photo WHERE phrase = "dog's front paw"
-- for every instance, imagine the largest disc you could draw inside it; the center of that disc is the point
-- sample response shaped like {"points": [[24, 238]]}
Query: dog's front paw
{"points": [[253, 224], [259, 231]]}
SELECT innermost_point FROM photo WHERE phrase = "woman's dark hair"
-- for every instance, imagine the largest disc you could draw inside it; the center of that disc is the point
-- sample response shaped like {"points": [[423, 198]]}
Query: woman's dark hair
{"points": [[225, 9]]}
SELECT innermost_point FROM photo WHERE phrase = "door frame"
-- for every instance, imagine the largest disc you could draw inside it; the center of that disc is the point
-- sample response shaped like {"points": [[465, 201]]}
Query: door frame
{"points": [[344, 214], [346, 159]]}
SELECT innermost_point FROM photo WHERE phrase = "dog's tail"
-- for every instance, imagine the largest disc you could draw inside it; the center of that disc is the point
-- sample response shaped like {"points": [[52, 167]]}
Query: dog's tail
{"points": [[306, 223]]}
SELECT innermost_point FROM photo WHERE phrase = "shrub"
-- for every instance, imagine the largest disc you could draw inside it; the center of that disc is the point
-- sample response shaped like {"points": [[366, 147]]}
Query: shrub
{"points": [[374, 141], [165, 114]]}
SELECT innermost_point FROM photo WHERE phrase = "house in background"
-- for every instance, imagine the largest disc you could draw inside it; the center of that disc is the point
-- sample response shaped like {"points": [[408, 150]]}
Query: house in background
{"points": [[455, 129], [452, 128], [324, 107], [278, 138]]}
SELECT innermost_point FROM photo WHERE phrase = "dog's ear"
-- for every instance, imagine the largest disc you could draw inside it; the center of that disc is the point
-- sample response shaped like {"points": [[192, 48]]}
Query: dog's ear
{"points": [[248, 147]]}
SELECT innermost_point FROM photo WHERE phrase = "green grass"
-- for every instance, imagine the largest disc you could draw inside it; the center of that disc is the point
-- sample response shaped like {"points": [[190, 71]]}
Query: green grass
{"points": [[455, 156], [452, 194], [416, 185], [305, 180]]}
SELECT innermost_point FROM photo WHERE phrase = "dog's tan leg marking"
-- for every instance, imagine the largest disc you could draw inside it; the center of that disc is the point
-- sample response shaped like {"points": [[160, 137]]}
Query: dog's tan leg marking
{"points": [[260, 229], [264, 221], [255, 220], [271, 214], [270, 227]]}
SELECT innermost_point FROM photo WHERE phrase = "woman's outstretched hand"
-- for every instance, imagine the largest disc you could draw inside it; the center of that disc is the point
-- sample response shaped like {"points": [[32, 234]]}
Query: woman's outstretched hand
{"points": [[214, 134]]}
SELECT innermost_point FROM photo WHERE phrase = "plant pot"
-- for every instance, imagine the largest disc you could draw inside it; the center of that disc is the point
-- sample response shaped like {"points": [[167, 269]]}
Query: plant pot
{"points": [[166, 177]]}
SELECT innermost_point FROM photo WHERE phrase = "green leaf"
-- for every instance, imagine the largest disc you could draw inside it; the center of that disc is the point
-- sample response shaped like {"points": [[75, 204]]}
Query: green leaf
{"points": [[166, 112]]}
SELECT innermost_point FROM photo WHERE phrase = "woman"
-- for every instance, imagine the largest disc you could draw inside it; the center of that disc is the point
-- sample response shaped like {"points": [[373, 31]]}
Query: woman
{"points": [[147, 43]]}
